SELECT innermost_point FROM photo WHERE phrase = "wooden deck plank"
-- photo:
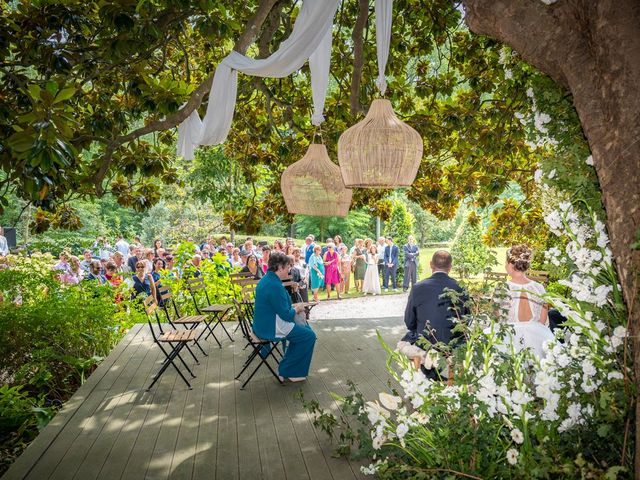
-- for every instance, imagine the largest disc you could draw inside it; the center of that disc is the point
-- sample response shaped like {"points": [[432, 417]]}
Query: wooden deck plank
{"points": [[61, 455], [78, 405], [113, 429], [226, 450], [207, 436]]}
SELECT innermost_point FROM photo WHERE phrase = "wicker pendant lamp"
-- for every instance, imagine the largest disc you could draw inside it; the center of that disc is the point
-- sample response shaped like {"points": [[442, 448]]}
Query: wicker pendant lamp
{"points": [[313, 185], [381, 151]]}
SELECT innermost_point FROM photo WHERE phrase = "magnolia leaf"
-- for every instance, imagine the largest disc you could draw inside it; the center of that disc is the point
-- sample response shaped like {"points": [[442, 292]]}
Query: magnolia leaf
{"points": [[64, 94]]}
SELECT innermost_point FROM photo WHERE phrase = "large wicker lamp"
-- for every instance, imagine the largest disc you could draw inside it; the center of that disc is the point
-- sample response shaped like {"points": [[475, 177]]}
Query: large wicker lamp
{"points": [[313, 185], [381, 151]]}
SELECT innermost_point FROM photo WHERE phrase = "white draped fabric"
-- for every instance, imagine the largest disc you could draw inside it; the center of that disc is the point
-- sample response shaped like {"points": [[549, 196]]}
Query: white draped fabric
{"points": [[384, 11], [319, 63], [311, 36], [189, 134]]}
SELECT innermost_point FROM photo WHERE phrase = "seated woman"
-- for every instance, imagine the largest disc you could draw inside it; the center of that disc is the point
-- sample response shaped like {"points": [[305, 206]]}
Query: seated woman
{"points": [[527, 310], [274, 320], [252, 267]]}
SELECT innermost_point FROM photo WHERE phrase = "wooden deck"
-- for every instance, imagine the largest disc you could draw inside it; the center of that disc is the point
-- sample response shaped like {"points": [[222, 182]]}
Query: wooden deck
{"points": [[111, 428]]}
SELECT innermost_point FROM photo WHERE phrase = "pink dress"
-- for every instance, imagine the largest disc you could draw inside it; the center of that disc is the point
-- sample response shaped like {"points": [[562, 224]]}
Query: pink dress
{"points": [[331, 272]]}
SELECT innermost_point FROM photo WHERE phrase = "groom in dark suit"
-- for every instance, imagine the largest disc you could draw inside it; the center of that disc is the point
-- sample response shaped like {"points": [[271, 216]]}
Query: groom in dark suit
{"points": [[428, 314], [390, 265]]}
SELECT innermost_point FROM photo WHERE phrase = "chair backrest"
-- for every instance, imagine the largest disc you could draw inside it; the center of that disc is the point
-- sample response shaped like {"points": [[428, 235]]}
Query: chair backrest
{"points": [[244, 310], [168, 304], [151, 309], [538, 275], [197, 289], [240, 274], [495, 276], [248, 293]]}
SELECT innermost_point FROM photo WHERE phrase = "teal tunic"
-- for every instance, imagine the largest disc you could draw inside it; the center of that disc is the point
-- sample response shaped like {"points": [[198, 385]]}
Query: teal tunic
{"points": [[271, 299], [316, 262]]}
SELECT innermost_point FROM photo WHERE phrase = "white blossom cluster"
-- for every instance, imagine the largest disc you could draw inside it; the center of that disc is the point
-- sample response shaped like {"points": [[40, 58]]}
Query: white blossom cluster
{"points": [[514, 389], [539, 120]]}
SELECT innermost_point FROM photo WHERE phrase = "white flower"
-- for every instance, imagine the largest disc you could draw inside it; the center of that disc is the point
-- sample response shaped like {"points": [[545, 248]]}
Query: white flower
{"points": [[512, 456], [615, 376], [620, 332], [548, 2], [390, 402], [517, 436], [552, 173], [589, 160], [401, 430], [537, 176], [588, 369]]}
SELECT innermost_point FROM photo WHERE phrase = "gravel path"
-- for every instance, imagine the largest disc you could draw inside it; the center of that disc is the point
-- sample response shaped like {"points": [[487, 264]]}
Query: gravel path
{"points": [[380, 306]]}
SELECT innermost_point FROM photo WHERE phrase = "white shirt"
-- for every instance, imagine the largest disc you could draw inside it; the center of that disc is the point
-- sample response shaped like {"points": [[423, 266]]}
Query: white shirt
{"points": [[123, 247], [4, 247], [283, 328]]}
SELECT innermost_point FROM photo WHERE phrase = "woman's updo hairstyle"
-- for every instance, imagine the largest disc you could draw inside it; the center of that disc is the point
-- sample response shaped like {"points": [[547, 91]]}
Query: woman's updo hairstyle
{"points": [[520, 256]]}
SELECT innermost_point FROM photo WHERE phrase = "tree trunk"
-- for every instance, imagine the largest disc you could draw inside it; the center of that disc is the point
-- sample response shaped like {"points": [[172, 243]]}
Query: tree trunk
{"points": [[592, 48]]}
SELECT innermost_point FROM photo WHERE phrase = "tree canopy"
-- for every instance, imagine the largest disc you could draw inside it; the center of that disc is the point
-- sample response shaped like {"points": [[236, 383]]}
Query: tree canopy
{"points": [[93, 89]]}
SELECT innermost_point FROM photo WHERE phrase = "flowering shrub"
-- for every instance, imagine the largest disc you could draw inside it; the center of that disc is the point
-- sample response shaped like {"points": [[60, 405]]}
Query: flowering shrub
{"points": [[505, 413], [52, 335]]}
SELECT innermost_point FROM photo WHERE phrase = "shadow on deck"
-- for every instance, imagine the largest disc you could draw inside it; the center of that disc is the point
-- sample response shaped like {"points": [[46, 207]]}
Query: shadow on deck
{"points": [[111, 428]]}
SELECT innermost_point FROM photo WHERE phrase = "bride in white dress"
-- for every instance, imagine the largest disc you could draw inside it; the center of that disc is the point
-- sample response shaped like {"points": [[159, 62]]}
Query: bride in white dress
{"points": [[371, 277], [527, 310]]}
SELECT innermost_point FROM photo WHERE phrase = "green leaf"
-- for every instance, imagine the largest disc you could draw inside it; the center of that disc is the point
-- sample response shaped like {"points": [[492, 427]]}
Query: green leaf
{"points": [[64, 94], [51, 87], [34, 91]]}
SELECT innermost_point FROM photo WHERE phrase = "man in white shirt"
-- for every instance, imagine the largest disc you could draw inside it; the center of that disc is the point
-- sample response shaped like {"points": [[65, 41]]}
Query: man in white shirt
{"points": [[4, 246], [122, 246]]}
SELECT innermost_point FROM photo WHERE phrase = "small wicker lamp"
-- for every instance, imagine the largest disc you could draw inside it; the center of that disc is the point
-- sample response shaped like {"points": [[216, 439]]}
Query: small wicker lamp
{"points": [[313, 185], [381, 151]]}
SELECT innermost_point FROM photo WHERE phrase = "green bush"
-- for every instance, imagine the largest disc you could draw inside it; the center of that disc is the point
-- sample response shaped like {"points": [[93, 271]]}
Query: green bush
{"points": [[470, 255], [52, 336]]}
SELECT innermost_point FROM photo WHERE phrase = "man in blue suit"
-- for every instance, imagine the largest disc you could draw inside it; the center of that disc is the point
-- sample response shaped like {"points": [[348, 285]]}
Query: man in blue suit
{"points": [[390, 265], [429, 313]]}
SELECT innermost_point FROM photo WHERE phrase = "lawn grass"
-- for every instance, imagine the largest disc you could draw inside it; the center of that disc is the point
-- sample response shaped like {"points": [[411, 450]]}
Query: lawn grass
{"points": [[424, 270]]}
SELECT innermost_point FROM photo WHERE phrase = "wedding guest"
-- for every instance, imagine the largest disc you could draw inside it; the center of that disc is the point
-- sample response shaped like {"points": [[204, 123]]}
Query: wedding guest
{"points": [[134, 258], [148, 259], [337, 240], [192, 268], [331, 262], [524, 303], [63, 263], [345, 270], [253, 267], [143, 282], [266, 253], [122, 246], [300, 274], [308, 248], [4, 245], [429, 313], [359, 262], [390, 271], [74, 274], [411, 253], [316, 272], [111, 274], [157, 243], [371, 278], [95, 272], [274, 320], [85, 264], [381, 247], [118, 260], [236, 261], [278, 246]]}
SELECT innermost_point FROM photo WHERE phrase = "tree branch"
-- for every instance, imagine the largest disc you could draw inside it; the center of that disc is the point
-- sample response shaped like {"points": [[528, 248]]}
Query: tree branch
{"points": [[358, 56], [247, 37]]}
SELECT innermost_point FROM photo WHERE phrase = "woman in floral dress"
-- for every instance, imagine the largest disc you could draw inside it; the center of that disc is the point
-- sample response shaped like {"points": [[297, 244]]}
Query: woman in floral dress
{"points": [[345, 269], [316, 272], [331, 269]]}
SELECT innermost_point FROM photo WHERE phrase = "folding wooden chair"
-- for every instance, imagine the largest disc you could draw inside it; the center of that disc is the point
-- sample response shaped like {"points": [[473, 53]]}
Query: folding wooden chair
{"points": [[245, 316], [189, 322], [175, 341], [216, 312]]}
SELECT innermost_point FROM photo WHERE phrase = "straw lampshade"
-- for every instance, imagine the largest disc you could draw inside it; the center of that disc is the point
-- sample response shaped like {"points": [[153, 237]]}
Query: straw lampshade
{"points": [[380, 151], [313, 185]]}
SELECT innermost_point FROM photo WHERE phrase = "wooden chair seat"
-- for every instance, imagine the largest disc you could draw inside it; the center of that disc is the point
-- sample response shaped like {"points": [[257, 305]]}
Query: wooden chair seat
{"points": [[181, 336], [216, 308], [190, 319]]}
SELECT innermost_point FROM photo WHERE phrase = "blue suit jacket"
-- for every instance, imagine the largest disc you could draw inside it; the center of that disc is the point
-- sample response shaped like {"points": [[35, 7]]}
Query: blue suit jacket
{"points": [[271, 299], [426, 310], [391, 254]]}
